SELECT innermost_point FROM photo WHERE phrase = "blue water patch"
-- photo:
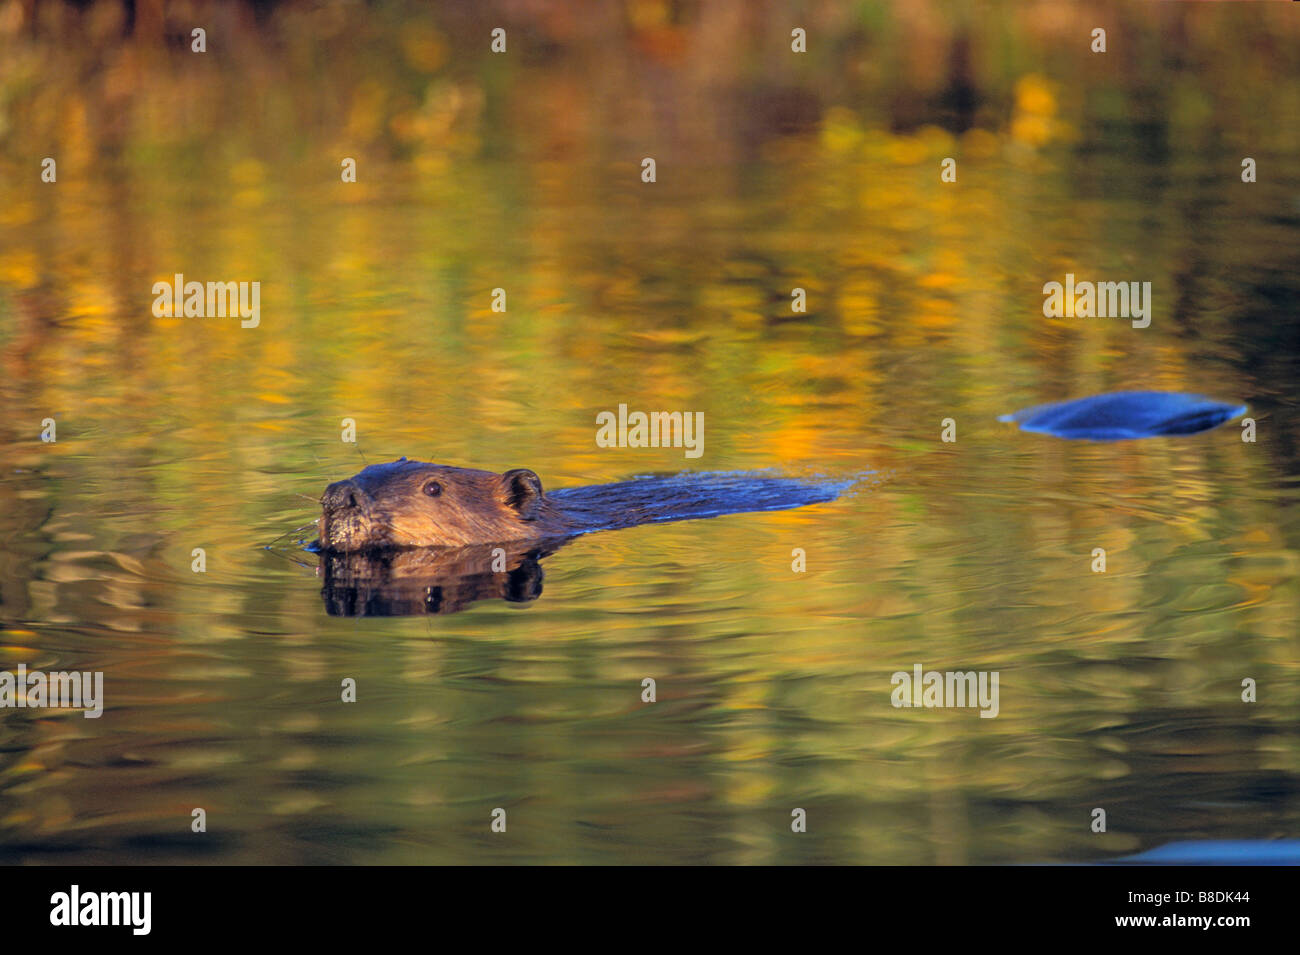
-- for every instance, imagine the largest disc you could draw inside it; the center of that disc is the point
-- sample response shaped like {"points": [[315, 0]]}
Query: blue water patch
{"points": [[1124, 415], [691, 495], [1222, 852]]}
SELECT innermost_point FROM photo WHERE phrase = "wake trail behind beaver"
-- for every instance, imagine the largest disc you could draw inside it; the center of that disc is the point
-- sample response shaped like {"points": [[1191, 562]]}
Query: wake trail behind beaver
{"points": [[682, 497]]}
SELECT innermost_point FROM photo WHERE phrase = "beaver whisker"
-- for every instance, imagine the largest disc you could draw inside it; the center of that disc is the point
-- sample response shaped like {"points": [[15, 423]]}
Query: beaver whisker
{"points": [[294, 531], [292, 560]]}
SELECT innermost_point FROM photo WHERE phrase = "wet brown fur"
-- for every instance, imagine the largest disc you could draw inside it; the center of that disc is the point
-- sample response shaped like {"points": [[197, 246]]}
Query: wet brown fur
{"points": [[386, 505]]}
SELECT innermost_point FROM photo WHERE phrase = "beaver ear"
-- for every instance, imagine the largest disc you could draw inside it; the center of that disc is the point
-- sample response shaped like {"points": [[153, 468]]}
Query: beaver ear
{"points": [[522, 490]]}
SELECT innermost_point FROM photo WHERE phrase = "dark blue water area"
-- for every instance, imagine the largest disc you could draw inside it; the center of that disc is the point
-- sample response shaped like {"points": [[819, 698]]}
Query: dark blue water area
{"points": [[1221, 852], [1125, 415], [690, 495]]}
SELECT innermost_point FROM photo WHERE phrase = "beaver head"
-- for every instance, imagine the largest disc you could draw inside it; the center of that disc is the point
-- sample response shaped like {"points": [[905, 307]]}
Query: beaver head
{"points": [[414, 504]]}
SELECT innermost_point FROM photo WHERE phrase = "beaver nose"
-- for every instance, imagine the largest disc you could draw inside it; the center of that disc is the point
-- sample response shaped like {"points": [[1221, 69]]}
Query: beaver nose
{"points": [[342, 494]]}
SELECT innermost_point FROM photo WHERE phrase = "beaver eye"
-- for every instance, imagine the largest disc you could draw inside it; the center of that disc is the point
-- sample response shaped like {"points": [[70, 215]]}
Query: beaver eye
{"points": [[433, 489]]}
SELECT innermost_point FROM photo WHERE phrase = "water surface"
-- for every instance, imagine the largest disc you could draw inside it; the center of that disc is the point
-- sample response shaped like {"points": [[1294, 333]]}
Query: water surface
{"points": [[1119, 689]]}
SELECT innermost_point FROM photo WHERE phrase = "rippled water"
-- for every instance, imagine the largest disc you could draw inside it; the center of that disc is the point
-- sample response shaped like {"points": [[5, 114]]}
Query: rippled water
{"points": [[1119, 690]]}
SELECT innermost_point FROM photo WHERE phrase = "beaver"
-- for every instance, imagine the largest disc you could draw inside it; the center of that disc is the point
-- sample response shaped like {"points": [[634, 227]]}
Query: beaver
{"points": [[404, 504]]}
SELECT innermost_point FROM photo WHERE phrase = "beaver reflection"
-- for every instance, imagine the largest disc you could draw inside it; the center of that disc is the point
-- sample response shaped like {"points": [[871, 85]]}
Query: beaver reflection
{"points": [[433, 580]]}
